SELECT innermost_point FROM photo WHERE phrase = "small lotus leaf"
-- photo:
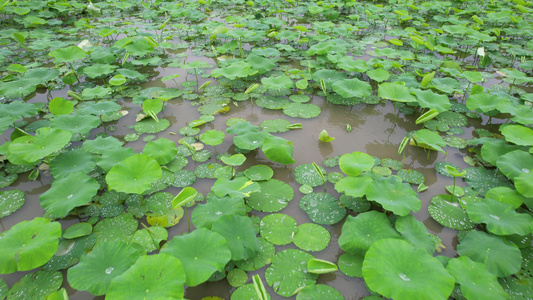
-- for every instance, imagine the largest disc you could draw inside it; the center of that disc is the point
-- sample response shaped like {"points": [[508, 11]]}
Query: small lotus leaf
{"points": [[10, 201], [238, 187], [431, 100], [76, 124], [259, 173], [482, 179], [278, 228], [242, 127], [322, 208], [278, 83], [149, 238], [98, 70], [38, 285], [393, 195], [212, 137], [114, 156], [240, 234], [251, 140], [306, 174], [101, 108], [354, 186], [515, 163], [449, 213], [162, 150], [278, 149], [199, 261], [354, 87], [524, 184], [234, 160], [207, 170], [275, 125], [301, 110], [428, 139], [72, 161], [68, 54], [355, 163], [120, 228], [411, 176], [78, 230], [263, 258], [395, 92], [311, 237], [135, 174], [204, 215], [288, 272], [415, 232], [101, 145], [274, 195], [60, 106], [151, 126], [452, 118], [351, 264]]}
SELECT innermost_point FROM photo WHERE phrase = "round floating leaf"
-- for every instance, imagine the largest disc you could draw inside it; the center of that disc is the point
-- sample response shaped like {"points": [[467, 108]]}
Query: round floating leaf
{"points": [[240, 233], [449, 213], [397, 270], [102, 145], [202, 253], [212, 137], [183, 178], [162, 150], [273, 196], [354, 87], [278, 83], [234, 160], [306, 174], [301, 110], [135, 174], [150, 238], [259, 173], [395, 92], [288, 272], [501, 218], [98, 70], [272, 102], [378, 75], [28, 149], [28, 245], [101, 108], [524, 184], [78, 230], [415, 232], [72, 161], [278, 149], [263, 258], [159, 276], [68, 54], [237, 277], [69, 253], [482, 179], [106, 261], [76, 124], [360, 232], [353, 186], [207, 170], [515, 163], [394, 195], [351, 264], [278, 228], [67, 193], [428, 139], [251, 140], [275, 125], [355, 163], [322, 208], [10, 201], [431, 100], [239, 187], [38, 285], [411, 176], [506, 195], [502, 258], [151, 126], [311, 237], [60, 106], [357, 204], [518, 134], [475, 280], [120, 228], [247, 291]]}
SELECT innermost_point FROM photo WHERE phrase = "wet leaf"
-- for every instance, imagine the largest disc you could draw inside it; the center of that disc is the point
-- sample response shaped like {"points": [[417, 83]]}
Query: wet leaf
{"points": [[288, 272]]}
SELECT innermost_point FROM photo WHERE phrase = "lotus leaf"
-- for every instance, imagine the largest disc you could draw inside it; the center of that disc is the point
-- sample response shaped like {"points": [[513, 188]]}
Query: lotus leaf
{"points": [[95, 93], [98, 70], [329, 76], [378, 75], [449, 213], [482, 179], [322, 208], [393, 195], [395, 92], [320, 266], [428, 139], [311, 237], [278, 228], [134, 174], [76, 124], [446, 85], [263, 258], [301, 110], [204, 215], [414, 232], [240, 234], [71, 162], [518, 134], [356, 204], [212, 137], [354, 87], [351, 264], [278, 83], [259, 173], [114, 156], [349, 64], [241, 128], [288, 272], [162, 150], [106, 261], [251, 140], [274, 195], [60, 106], [29, 149], [67, 55], [101, 145], [431, 100], [506, 195], [475, 280], [183, 178], [10, 201], [234, 160], [100, 108], [206, 170], [484, 102], [236, 70], [247, 291], [524, 184], [69, 253], [355, 163], [28, 245], [78, 230], [397, 270], [275, 125], [306, 174], [502, 258], [38, 285], [278, 149], [199, 261], [353, 186], [178, 163], [151, 126], [238, 187]]}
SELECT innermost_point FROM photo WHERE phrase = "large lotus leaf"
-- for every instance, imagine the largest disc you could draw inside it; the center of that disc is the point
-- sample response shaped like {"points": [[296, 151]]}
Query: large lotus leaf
{"points": [[67, 193], [242, 128], [347, 63], [524, 184], [240, 234], [502, 258], [278, 228], [360, 232], [431, 100], [428, 139], [118, 228], [17, 109], [207, 170], [69, 252], [68, 54], [106, 261], [204, 215], [415, 232], [272, 102], [306, 174], [319, 292], [28, 245], [135, 174], [98, 70], [263, 258], [273, 196], [60, 106], [506, 195], [518, 134], [378, 75], [482, 179], [288, 272], [311, 237], [18, 88], [475, 280], [515, 163], [239, 187], [446, 85], [395, 92], [354, 87], [278, 83], [38, 285], [42, 74], [250, 140], [183, 178], [72, 161], [202, 253], [301, 110], [355, 163], [101, 145], [275, 125], [112, 157], [278, 149], [394, 195], [449, 213], [501, 218], [322, 208], [10, 201], [212, 137], [100, 108], [162, 150], [159, 276], [353, 186], [77, 123], [397, 270], [151, 126], [29, 149], [259, 173], [483, 102], [329, 76]]}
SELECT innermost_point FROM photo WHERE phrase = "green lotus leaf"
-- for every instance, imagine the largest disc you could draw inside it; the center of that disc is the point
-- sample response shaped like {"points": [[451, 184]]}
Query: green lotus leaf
{"points": [[71, 162], [102, 145], [240, 233], [259, 173], [356, 204], [515, 163], [482, 179], [151, 126], [29, 149], [506, 195], [518, 134], [524, 184], [38, 285], [353, 186], [360, 232], [97, 92], [278, 149], [98, 70], [247, 291], [60, 106], [446, 85], [251, 140], [311, 237], [112, 157], [395, 92], [212, 137], [501, 218], [351, 264], [274, 195], [320, 266], [329, 76], [324, 137], [278, 83], [393, 195], [150, 238], [484, 102], [241, 128], [378, 75], [298, 98], [11, 201], [119, 228], [207, 170], [134, 174], [237, 277], [354, 87], [204, 215], [355, 163], [263, 258], [397, 270], [69, 252], [183, 178], [349, 64], [162, 150], [28, 245], [288, 272], [278, 228], [306, 174], [177, 164], [275, 125], [117, 80], [415, 232], [238, 187], [152, 276], [431, 100], [17, 109], [234, 160], [202, 253], [449, 213], [68, 192], [42, 74], [236, 70], [76, 124], [100, 108], [67, 55], [502, 258], [78, 230], [301, 110], [322, 208], [106, 261]]}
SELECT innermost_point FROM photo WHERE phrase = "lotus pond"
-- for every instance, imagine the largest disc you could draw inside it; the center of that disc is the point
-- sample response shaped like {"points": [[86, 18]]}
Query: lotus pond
{"points": [[266, 149]]}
